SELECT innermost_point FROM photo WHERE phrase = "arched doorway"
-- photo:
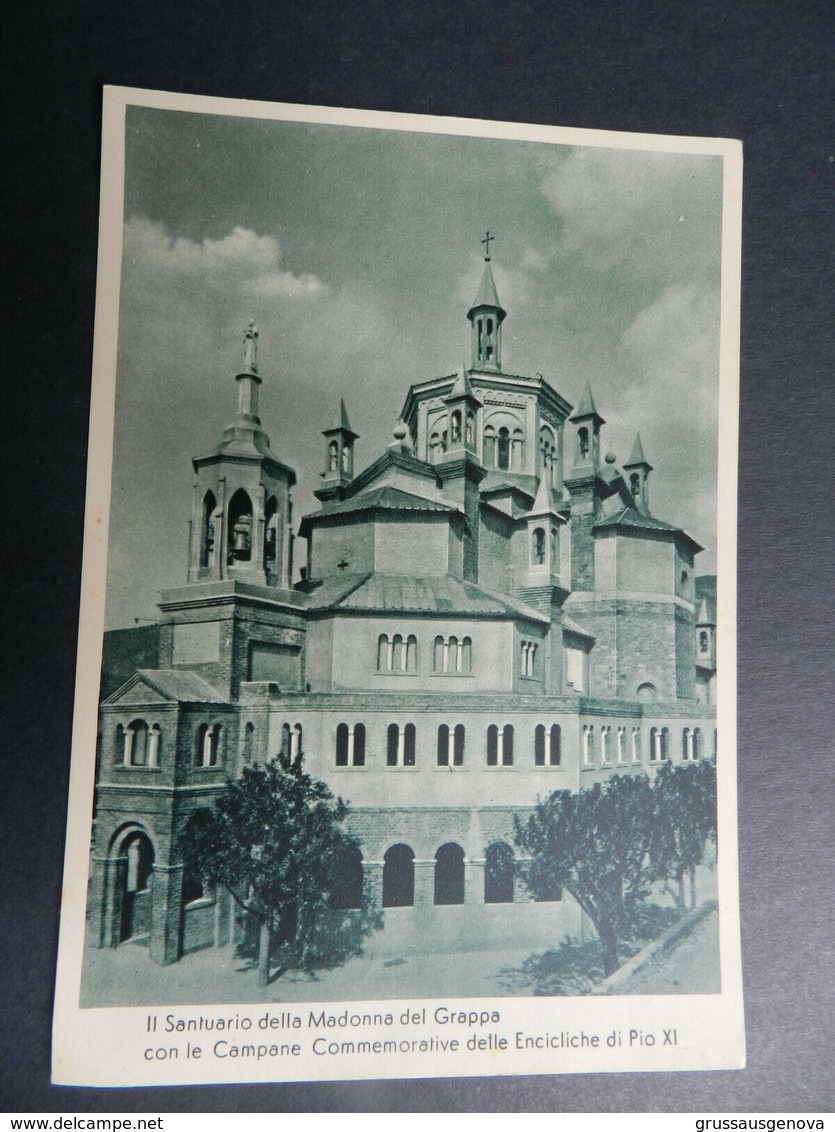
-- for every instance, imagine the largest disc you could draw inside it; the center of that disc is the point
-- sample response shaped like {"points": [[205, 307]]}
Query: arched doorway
{"points": [[398, 877], [138, 854], [449, 874]]}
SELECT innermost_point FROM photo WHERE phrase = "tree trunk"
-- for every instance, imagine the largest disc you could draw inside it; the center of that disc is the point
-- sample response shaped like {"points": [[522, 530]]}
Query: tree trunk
{"points": [[264, 941], [692, 886], [609, 941]]}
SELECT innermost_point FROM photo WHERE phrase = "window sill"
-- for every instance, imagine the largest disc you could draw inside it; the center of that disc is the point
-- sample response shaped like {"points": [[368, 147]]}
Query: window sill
{"points": [[138, 766], [350, 766], [385, 672], [451, 766], [502, 766]]}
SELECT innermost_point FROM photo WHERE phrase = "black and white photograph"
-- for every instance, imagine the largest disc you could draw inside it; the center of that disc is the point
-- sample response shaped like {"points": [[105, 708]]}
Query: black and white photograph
{"points": [[406, 701]]}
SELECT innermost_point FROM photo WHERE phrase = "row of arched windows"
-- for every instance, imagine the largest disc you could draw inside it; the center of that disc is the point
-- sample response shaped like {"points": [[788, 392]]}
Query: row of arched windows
{"points": [[397, 653], [401, 744], [527, 664], [623, 746], [451, 656], [504, 448]]}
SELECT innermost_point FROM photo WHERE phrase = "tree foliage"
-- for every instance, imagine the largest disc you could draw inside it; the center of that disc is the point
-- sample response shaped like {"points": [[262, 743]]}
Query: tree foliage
{"points": [[607, 844], [275, 841]]}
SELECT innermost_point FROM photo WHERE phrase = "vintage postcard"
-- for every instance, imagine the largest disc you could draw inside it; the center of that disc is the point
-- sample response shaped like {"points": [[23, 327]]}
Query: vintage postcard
{"points": [[405, 724]]}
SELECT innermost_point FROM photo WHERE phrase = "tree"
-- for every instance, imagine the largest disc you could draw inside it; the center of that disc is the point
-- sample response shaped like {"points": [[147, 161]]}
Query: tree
{"points": [[275, 841], [594, 844], [685, 817]]}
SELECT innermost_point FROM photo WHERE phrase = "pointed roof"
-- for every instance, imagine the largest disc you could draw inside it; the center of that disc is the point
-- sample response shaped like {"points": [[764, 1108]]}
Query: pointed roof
{"points": [[486, 296], [544, 503], [703, 617], [178, 685], [637, 458], [586, 408], [462, 387], [340, 422]]}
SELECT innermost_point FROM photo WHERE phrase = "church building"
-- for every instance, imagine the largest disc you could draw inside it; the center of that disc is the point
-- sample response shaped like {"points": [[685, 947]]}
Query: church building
{"points": [[488, 612]]}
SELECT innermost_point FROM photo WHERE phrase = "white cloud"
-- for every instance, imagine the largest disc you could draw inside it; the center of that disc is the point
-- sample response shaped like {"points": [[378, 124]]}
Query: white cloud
{"points": [[656, 213], [243, 260]]}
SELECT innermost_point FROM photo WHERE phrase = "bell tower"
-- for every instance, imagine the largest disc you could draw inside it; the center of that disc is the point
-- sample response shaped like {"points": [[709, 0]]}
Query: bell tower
{"points": [[241, 511], [339, 456], [637, 469], [486, 316]]}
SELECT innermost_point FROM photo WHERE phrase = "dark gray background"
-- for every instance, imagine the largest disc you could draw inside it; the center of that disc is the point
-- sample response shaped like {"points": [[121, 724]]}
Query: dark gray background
{"points": [[761, 72]]}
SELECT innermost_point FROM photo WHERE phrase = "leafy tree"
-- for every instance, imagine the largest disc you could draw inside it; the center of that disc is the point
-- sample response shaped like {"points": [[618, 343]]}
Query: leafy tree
{"points": [[594, 844], [685, 817], [275, 841]]}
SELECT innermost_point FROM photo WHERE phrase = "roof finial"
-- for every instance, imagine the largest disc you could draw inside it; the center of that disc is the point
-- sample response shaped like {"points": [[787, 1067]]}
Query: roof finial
{"points": [[486, 242], [251, 348]]}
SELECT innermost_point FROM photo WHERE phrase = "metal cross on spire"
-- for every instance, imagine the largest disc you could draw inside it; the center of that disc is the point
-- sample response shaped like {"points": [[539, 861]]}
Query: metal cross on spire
{"points": [[486, 242]]}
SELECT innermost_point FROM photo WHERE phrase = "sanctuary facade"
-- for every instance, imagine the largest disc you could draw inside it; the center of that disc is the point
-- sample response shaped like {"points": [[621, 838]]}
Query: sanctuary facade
{"points": [[488, 612]]}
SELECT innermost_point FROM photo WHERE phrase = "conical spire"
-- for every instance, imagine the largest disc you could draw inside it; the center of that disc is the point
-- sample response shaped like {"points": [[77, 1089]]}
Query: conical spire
{"points": [[587, 408], [544, 503], [703, 617], [340, 422], [637, 458], [462, 387], [487, 296]]}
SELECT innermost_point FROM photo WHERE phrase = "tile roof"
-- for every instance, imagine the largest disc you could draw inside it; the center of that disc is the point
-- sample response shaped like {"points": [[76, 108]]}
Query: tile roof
{"points": [[383, 499], [404, 593], [175, 684]]}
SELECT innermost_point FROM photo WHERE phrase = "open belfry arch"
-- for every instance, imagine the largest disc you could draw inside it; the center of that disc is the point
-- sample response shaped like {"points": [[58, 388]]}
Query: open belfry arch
{"points": [[486, 612]]}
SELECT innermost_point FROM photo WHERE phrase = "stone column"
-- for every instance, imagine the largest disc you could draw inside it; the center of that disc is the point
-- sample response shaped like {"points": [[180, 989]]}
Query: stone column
{"points": [[424, 884], [474, 881], [372, 884], [113, 872], [166, 913]]}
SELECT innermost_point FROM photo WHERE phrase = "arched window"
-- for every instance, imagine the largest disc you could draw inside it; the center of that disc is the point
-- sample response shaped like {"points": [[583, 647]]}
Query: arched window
{"points": [[636, 744], [449, 874], [438, 655], [498, 874], [479, 336], [271, 535], [507, 745], [517, 450], [466, 656], [333, 456], [383, 653], [538, 547], [350, 744], [703, 641], [409, 736], [635, 484], [664, 743], [492, 745], [455, 426], [398, 877], [646, 693], [458, 745], [398, 661], [547, 451], [686, 741], [547, 745], [154, 743], [470, 433], [621, 746], [346, 458], [140, 856], [604, 745], [658, 740], [136, 743], [239, 540], [588, 744], [411, 654], [346, 879], [392, 745], [119, 750], [696, 752], [490, 454], [583, 442], [503, 449], [249, 743], [528, 658], [208, 744], [207, 530]]}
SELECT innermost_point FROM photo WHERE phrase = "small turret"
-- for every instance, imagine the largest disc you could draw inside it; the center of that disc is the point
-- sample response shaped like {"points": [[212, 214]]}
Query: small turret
{"points": [[588, 422], [637, 469], [339, 456], [462, 414], [486, 316]]}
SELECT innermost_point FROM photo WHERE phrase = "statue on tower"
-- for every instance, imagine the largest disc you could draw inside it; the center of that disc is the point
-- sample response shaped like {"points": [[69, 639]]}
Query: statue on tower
{"points": [[251, 348]]}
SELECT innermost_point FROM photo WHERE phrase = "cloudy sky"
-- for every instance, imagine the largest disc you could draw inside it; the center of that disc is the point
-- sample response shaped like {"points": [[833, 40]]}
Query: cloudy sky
{"points": [[357, 252]]}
